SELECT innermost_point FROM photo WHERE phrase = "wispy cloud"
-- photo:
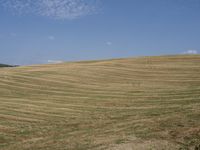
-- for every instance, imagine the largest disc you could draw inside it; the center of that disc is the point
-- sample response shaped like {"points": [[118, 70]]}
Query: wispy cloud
{"points": [[51, 37], [191, 52], [108, 43], [57, 9], [54, 61]]}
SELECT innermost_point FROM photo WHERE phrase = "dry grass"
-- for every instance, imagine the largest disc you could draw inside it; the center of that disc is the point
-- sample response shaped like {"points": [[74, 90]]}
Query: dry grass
{"points": [[140, 103]]}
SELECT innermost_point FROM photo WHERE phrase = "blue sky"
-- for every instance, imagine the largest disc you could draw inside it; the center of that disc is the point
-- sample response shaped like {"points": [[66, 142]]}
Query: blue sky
{"points": [[47, 31]]}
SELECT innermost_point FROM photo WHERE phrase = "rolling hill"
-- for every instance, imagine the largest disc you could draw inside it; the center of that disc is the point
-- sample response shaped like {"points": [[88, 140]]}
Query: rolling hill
{"points": [[121, 104]]}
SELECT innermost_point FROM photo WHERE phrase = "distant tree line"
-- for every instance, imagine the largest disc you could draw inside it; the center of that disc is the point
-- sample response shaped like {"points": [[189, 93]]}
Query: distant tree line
{"points": [[5, 65]]}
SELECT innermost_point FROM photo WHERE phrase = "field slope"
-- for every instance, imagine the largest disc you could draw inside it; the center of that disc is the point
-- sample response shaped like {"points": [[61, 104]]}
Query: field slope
{"points": [[134, 103]]}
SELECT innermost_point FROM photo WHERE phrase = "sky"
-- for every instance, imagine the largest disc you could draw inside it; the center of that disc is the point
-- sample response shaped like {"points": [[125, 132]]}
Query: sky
{"points": [[52, 31]]}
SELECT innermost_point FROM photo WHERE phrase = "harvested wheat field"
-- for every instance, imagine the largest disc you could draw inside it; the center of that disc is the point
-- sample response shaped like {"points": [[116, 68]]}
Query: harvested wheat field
{"points": [[142, 103]]}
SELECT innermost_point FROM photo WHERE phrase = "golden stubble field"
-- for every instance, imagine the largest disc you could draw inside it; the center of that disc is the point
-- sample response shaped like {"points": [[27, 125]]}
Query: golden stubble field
{"points": [[142, 103]]}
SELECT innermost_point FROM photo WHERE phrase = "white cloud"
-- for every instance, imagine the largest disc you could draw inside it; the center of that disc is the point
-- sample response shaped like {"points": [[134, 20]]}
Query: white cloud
{"points": [[108, 43], [191, 52], [51, 37], [54, 61], [57, 9]]}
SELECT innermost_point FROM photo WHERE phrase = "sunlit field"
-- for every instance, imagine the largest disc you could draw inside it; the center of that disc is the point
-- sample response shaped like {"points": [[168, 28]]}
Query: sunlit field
{"points": [[142, 103]]}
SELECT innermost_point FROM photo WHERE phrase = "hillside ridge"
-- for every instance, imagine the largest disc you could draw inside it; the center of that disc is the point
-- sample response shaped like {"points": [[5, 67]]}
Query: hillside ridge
{"points": [[129, 103]]}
